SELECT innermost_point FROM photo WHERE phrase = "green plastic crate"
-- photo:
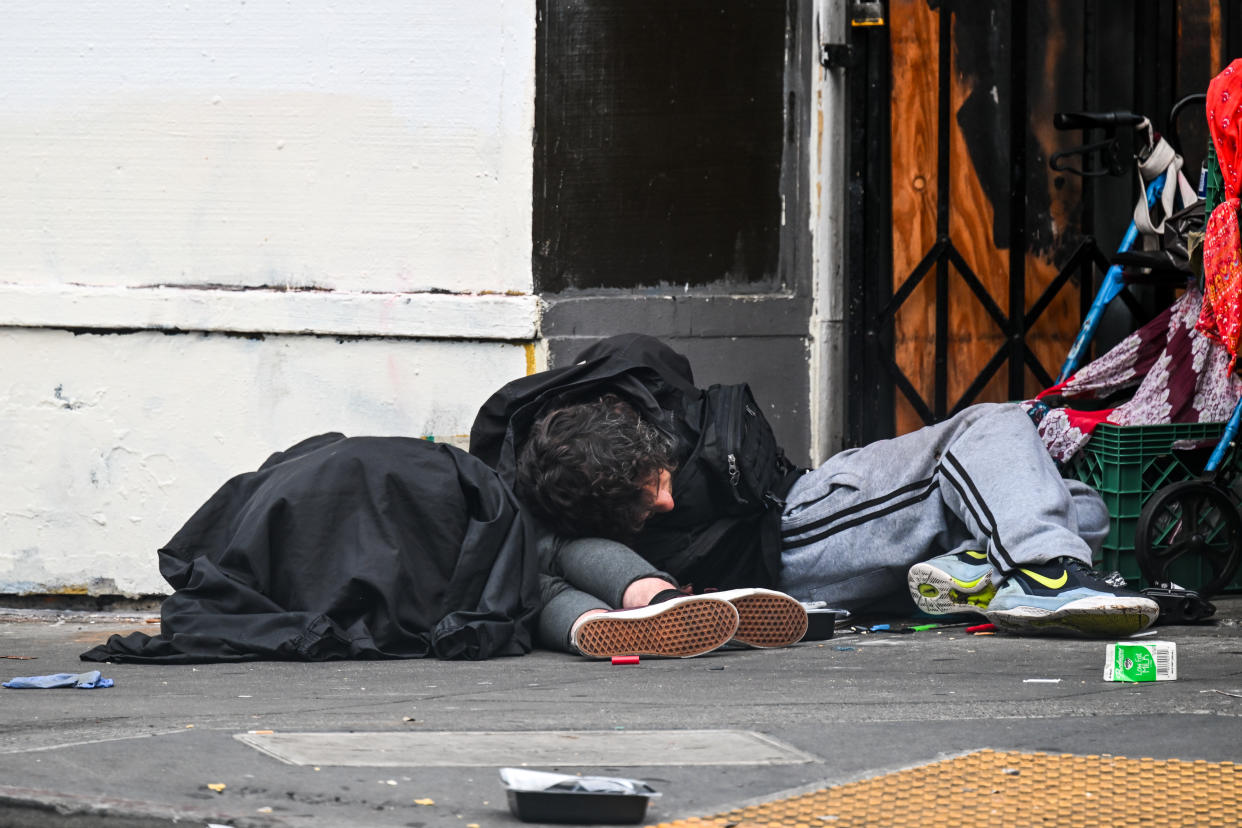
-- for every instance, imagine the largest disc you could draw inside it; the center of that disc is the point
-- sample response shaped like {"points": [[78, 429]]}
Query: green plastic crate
{"points": [[1215, 184], [1127, 465]]}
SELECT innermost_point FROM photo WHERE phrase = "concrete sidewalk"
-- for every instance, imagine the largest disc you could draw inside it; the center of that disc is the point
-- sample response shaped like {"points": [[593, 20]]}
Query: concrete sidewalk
{"points": [[145, 751]]}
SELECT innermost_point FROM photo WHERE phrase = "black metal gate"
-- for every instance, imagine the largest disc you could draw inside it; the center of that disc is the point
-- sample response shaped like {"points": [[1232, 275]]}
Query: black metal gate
{"points": [[1169, 59]]}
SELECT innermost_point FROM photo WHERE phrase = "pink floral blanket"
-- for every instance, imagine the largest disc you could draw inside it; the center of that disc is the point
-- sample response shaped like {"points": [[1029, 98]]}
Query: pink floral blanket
{"points": [[1179, 375]]}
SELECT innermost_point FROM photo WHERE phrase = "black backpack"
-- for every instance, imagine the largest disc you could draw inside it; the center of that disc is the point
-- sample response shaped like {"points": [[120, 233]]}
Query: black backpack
{"points": [[738, 451], [729, 491]]}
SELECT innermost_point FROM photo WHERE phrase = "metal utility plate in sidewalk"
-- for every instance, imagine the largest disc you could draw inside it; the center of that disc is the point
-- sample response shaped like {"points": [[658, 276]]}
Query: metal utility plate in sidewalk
{"points": [[611, 748]]}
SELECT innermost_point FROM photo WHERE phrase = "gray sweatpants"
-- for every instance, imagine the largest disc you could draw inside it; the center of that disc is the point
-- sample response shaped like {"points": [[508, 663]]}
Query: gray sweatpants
{"points": [[981, 480]]}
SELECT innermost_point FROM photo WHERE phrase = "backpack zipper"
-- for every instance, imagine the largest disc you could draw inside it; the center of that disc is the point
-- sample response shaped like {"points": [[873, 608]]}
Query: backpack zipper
{"points": [[734, 430]]}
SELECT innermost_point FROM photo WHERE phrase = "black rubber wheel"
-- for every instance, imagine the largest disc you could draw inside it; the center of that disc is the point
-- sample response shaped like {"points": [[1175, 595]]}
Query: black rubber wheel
{"points": [[1188, 520]]}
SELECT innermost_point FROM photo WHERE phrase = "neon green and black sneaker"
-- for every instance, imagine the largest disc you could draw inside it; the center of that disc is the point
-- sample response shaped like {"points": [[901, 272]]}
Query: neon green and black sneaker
{"points": [[953, 583], [1065, 596]]}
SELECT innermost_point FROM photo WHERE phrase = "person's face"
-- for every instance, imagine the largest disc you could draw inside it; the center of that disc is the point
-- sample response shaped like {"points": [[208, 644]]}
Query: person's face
{"points": [[659, 492]]}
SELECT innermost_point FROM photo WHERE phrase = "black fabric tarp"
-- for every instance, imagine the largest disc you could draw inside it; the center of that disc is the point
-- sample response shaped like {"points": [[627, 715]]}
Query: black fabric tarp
{"points": [[361, 547]]}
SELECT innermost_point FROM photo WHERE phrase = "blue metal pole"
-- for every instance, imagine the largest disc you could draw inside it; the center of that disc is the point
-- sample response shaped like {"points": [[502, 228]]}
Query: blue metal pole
{"points": [[1231, 431], [1111, 286]]}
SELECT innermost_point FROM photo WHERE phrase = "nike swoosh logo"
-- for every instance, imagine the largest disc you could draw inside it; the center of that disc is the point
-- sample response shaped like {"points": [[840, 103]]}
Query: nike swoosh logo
{"points": [[1051, 583], [969, 584]]}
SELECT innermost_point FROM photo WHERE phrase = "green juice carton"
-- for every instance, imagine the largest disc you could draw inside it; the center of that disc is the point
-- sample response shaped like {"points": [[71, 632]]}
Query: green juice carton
{"points": [[1148, 661]]}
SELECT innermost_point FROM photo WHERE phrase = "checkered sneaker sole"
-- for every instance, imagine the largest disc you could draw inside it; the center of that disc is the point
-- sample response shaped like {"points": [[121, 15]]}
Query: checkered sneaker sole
{"points": [[684, 628], [768, 619]]}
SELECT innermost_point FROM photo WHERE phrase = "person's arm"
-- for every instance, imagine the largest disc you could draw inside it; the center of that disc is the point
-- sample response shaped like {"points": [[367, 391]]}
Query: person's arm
{"points": [[609, 570], [590, 575]]}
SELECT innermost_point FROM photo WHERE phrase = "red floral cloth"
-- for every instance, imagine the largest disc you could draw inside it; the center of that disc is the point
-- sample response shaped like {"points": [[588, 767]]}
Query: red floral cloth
{"points": [[1221, 316], [1179, 376]]}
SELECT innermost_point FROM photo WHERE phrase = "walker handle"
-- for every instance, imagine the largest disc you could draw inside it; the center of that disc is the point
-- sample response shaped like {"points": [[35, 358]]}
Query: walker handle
{"points": [[1089, 120]]}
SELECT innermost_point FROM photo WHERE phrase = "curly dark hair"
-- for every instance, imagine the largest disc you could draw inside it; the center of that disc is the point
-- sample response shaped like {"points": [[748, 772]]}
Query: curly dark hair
{"points": [[584, 467]]}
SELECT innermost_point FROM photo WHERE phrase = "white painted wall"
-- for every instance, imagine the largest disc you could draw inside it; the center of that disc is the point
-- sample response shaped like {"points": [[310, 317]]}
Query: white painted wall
{"points": [[111, 442], [346, 185], [376, 146]]}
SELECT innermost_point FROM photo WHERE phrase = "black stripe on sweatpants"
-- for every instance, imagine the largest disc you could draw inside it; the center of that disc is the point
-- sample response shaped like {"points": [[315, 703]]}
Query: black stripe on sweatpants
{"points": [[982, 515], [857, 507], [893, 507]]}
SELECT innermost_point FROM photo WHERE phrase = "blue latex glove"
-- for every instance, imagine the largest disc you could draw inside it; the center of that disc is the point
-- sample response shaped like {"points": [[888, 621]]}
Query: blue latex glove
{"points": [[84, 681]]}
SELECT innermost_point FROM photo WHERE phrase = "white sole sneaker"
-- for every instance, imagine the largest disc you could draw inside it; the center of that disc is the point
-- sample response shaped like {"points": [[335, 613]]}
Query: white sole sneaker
{"points": [[936, 592], [678, 628], [1098, 617], [1065, 596], [956, 582], [765, 618]]}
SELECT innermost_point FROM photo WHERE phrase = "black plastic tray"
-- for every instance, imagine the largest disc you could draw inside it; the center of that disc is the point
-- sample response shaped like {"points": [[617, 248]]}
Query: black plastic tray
{"points": [[578, 807]]}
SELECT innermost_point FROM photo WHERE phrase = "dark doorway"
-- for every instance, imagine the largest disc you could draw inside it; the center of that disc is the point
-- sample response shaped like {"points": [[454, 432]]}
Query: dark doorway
{"points": [[671, 189], [659, 143]]}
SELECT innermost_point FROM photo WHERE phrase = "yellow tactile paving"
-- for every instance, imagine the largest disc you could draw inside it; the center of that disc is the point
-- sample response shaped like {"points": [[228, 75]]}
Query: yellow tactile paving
{"points": [[994, 789]]}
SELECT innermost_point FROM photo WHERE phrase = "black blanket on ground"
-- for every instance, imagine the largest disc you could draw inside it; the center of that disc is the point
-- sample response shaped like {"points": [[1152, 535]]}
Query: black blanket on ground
{"points": [[362, 547]]}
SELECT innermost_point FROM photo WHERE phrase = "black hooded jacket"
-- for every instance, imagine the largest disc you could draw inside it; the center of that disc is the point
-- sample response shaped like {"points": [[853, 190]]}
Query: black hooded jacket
{"points": [[702, 541]]}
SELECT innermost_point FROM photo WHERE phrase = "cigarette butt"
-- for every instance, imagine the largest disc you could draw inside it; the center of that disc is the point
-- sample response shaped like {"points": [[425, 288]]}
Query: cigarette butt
{"points": [[625, 659]]}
